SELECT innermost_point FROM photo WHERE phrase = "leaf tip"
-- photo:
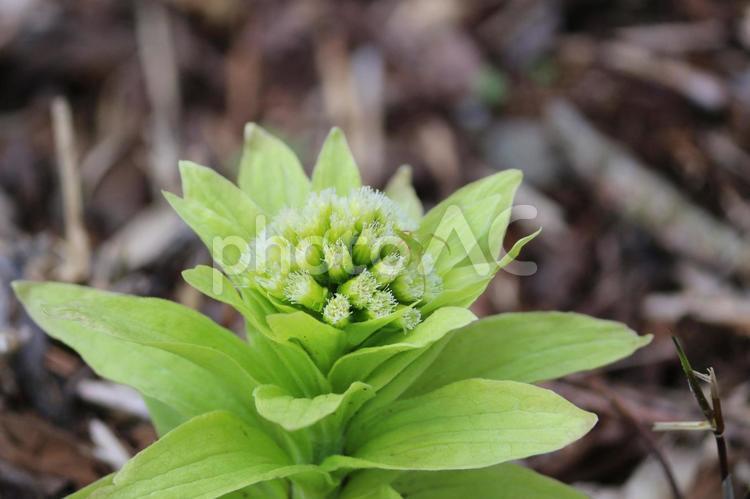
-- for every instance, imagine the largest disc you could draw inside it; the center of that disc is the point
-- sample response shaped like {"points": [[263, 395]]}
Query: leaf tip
{"points": [[188, 274], [21, 288], [336, 133], [252, 129], [515, 174], [186, 167], [644, 340], [171, 198]]}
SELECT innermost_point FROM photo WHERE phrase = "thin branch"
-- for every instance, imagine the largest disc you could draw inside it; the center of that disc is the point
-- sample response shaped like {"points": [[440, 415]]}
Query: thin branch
{"points": [[77, 251], [157, 55]]}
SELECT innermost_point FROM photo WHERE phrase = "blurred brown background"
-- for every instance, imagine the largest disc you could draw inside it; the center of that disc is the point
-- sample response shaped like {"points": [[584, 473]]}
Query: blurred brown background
{"points": [[630, 119]]}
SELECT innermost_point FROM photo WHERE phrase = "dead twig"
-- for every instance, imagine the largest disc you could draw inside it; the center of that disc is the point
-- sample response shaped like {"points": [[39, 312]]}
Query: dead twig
{"points": [[677, 38], [107, 447], [701, 88], [159, 62], [77, 250], [112, 396]]}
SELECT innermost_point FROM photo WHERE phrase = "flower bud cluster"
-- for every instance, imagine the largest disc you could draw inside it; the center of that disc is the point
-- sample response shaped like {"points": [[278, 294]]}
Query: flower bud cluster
{"points": [[345, 259]]}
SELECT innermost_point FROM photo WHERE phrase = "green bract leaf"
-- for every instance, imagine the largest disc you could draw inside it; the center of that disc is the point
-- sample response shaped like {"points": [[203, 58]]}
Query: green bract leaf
{"points": [[211, 282], [461, 234], [336, 167], [209, 189], [208, 456], [529, 347], [516, 249], [400, 190], [271, 489], [504, 481], [371, 484], [471, 212], [221, 214], [166, 351], [360, 364], [358, 332], [380, 492], [468, 424], [464, 284], [276, 405], [163, 417], [322, 342], [403, 370], [89, 490], [219, 234], [270, 172], [140, 320], [287, 364]]}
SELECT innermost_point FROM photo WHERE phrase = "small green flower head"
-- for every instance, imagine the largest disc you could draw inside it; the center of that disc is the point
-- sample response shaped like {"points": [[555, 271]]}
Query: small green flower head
{"points": [[341, 252], [409, 319], [302, 289], [342, 258], [337, 311]]}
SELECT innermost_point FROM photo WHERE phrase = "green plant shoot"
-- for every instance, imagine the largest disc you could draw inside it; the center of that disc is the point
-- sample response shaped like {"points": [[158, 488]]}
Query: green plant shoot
{"points": [[361, 372]]}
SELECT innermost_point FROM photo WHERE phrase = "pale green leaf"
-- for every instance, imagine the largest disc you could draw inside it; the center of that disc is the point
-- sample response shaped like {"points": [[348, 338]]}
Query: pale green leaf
{"points": [[277, 405], [378, 492], [163, 417], [469, 424], [336, 167], [208, 456], [503, 183], [530, 347], [131, 318], [361, 363], [401, 190], [462, 234], [462, 285], [287, 364], [504, 481], [213, 283], [220, 235], [359, 332], [469, 208], [89, 490], [370, 484], [206, 187], [313, 483], [516, 249], [322, 342], [270, 172], [165, 351], [398, 373], [271, 489]]}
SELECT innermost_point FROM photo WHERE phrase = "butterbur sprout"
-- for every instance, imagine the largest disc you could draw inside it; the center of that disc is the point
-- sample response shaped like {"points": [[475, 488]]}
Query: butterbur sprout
{"points": [[409, 319], [348, 246], [302, 289], [361, 372], [359, 289], [337, 310]]}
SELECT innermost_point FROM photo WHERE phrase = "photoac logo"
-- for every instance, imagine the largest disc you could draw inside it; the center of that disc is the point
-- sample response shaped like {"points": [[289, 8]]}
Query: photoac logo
{"points": [[273, 255]]}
